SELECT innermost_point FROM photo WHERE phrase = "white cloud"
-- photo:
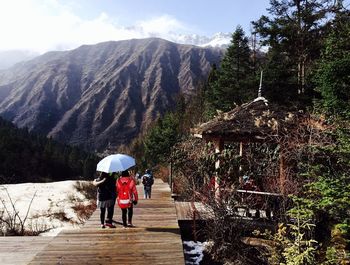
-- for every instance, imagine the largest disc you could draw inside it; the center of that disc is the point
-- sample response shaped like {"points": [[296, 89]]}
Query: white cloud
{"points": [[161, 25], [48, 25]]}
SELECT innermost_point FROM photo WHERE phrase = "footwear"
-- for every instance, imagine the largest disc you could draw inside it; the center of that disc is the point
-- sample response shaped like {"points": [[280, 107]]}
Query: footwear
{"points": [[130, 225], [110, 225], [103, 226]]}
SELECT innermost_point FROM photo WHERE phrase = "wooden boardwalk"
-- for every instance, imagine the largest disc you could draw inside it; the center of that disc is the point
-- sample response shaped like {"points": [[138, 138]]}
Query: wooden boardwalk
{"points": [[155, 239]]}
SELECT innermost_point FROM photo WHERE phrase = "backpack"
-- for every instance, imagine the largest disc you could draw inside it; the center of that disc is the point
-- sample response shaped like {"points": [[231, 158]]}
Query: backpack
{"points": [[124, 194], [147, 180]]}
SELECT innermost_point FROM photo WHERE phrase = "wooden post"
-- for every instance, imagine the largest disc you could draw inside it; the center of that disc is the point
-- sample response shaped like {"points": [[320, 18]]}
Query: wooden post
{"points": [[282, 173], [219, 146], [170, 170], [240, 154]]}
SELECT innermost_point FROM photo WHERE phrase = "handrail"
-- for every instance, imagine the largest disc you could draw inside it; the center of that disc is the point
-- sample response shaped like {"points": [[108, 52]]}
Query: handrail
{"points": [[260, 193]]}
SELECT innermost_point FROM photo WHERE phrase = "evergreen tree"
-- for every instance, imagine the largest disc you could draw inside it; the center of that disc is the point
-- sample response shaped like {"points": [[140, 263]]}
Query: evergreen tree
{"points": [[294, 31], [160, 139], [279, 80], [333, 75], [232, 83]]}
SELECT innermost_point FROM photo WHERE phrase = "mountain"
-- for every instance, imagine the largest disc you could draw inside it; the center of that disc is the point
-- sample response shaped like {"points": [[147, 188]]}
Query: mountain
{"points": [[11, 57], [105, 94]]}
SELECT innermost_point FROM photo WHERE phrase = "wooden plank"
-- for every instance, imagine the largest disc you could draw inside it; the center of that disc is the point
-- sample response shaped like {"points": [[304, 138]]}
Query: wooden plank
{"points": [[260, 193], [21, 250], [190, 211]]}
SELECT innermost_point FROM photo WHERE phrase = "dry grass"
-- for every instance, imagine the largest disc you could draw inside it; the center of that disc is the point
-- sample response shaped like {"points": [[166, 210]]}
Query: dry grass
{"points": [[62, 216], [84, 211], [86, 188]]}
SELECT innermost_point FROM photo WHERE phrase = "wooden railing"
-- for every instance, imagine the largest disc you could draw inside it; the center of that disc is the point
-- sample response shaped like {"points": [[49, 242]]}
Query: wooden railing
{"points": [[259, 201]]}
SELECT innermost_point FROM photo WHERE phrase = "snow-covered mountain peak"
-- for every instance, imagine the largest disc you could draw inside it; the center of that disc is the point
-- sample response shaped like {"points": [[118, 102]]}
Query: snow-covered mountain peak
{"points": [[220, 39]]}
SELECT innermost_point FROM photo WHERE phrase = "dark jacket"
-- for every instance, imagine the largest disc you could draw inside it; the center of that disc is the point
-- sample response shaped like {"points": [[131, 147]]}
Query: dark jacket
{"points": [[107, 190], [147, 180]]}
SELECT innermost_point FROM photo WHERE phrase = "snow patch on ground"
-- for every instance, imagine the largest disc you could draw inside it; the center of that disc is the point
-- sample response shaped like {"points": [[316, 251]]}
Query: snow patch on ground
{"points": [[193, 251], [51, 208]]}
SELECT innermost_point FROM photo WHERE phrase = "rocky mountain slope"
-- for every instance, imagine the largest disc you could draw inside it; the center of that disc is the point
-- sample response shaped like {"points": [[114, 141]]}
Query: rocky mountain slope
{"points": [[103, 94]]}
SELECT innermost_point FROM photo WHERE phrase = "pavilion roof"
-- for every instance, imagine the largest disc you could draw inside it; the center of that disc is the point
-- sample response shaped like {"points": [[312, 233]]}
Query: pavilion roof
{"points": [[253, 121]]}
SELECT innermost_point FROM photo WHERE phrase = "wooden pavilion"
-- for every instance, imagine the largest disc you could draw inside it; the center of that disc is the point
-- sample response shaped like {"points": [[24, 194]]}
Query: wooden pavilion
{"points": [[256, 121]]}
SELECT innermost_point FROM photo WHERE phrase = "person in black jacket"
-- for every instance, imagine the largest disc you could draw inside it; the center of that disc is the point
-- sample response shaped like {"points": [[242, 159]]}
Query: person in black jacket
{"points": [[147, 181], [106, 196]]}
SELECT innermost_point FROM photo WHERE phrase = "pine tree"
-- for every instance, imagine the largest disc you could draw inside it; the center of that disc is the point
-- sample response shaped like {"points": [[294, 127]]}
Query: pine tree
{"points": [[279, 80], [232, 83], [294, 30], [160, 139], [333, 75]]}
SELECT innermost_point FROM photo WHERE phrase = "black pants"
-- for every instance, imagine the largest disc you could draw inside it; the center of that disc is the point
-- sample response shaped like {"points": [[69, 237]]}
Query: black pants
{"points": [[129, 212], [110, 212]]}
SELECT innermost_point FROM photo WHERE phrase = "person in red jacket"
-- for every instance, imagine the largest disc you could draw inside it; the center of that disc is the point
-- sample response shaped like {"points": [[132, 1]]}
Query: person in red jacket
{"points": [[127, 197]]}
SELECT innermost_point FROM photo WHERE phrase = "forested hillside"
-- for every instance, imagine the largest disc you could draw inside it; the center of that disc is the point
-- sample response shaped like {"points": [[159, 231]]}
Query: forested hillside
{"points": [[28, 157]]}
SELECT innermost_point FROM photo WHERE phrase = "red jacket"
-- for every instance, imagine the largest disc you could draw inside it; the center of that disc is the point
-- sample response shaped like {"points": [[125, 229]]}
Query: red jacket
{"points": [[132, 196]]}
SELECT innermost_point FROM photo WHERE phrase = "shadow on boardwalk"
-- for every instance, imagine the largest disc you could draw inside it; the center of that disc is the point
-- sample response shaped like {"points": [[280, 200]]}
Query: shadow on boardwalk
{"points": [[164, 230]]}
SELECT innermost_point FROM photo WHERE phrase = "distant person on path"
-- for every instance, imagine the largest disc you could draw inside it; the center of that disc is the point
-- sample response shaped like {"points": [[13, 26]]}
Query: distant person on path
{"points": [[127, 197], [106, 196], [147, 181]]}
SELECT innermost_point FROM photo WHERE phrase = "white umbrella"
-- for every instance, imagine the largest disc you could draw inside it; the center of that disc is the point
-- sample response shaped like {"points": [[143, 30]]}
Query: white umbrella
{"points": [[115, 163]]}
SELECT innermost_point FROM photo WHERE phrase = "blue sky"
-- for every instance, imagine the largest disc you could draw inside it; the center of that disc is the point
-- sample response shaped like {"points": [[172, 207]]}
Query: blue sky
{"points": [[42, 25], [206, 17]]}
